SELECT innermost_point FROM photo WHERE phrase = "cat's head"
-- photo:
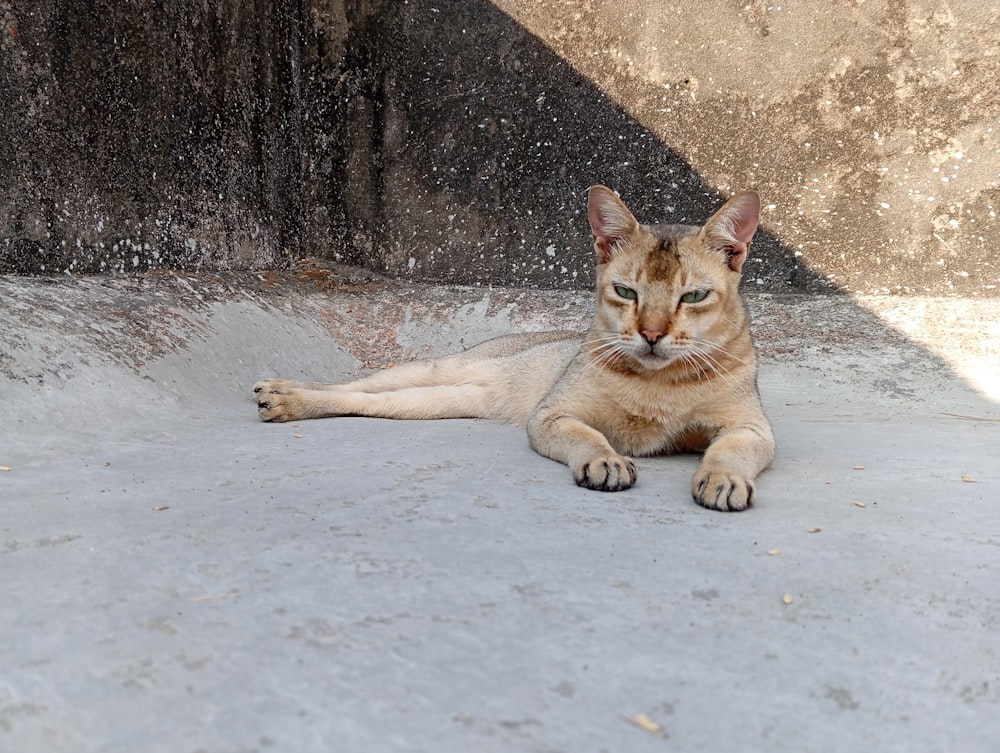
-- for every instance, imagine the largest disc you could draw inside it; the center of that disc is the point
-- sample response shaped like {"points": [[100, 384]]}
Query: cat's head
{"points": [[668, 294]]}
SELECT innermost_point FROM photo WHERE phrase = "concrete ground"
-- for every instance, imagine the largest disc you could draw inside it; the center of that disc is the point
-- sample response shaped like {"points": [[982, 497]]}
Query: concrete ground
{"points": [[179, 577]]}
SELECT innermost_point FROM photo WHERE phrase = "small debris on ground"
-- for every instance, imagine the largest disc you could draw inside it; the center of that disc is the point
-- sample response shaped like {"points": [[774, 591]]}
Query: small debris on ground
{"points": [[216, 597], [646, 724]]}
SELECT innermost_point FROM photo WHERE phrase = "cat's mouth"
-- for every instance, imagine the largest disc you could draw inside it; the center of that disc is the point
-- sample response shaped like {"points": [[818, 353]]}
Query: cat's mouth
{"points": [[658, 355]]}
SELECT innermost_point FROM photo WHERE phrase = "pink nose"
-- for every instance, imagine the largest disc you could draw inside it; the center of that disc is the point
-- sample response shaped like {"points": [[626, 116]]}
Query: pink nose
{"points": [[651, 335]]}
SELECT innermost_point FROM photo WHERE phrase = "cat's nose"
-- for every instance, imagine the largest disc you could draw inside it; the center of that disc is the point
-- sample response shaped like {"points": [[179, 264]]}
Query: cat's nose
{"points": [[651, 335]]}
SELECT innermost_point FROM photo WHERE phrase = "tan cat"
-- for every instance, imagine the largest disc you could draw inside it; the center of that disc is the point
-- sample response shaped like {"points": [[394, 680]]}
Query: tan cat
{"points": [[667, 365]]}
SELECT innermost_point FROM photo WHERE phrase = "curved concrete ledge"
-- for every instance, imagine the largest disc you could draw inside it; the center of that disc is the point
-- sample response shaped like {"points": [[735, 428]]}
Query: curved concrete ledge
{"points": [[179, 576]]}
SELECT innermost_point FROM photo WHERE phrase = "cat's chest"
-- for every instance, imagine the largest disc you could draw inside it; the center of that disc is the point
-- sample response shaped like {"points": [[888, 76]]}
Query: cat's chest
{"points": [[652, 406], [654, 420]]}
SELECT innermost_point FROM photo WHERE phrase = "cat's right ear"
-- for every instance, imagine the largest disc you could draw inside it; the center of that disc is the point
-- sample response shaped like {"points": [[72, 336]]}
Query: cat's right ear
{"points": [[610, 221]]}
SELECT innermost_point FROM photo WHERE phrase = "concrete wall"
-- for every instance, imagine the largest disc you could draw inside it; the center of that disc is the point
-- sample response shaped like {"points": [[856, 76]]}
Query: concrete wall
{"points": [[147, 134], [454, 139], [873, 128]]}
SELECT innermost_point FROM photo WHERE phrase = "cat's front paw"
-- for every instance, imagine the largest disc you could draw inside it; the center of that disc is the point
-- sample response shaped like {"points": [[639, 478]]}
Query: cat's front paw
{"points": [[275, 401], [609, 473], [722, 490]]}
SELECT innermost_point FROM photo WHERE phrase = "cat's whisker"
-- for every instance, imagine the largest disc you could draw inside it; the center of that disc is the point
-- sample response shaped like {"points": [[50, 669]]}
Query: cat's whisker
{"points": [[696, 361], [715, 348], [690, 360], [605, 341], [706, 353], [699, 356], [598, 347], [602, 341], [606, 351], [608, 357]]}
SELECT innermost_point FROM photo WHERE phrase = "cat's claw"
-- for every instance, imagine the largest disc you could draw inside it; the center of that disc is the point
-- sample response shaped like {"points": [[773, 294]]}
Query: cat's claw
{"points": [[719, 490], [613, 473]]}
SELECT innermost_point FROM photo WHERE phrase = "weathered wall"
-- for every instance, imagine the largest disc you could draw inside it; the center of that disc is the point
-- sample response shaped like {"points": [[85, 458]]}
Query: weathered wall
{"points": [[146, 134], [455, 139], [473, 145], [871, 129]]}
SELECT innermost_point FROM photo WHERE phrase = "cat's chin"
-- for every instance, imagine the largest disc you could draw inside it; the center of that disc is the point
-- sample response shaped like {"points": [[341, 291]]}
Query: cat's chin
{"points": [[654, 361]]}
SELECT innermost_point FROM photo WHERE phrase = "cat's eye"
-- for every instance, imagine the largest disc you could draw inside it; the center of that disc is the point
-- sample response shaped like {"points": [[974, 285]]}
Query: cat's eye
{"points": [[695, 296], [626, 293]]}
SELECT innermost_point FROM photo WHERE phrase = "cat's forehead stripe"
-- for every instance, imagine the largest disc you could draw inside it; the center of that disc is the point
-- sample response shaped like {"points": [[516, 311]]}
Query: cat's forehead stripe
{"points": [[663, 261]]}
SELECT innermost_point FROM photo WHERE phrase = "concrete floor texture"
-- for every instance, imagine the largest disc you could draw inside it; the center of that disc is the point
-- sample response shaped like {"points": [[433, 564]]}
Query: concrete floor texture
{"points": [[178, 577]]}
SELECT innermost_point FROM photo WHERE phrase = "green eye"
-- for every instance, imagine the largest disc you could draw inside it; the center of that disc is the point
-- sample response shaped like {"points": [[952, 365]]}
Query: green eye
{"points": [[626, 293], [695, 296]]}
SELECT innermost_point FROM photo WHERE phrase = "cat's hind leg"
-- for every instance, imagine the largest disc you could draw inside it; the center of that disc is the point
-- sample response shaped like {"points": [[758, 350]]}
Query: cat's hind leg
{"points": [[427, 373], [275, 403], [451, 387]]}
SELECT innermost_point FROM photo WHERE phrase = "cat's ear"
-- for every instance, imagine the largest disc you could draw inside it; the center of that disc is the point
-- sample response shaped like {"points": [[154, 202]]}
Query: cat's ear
{"points": [[731, 228], [610, 221]]}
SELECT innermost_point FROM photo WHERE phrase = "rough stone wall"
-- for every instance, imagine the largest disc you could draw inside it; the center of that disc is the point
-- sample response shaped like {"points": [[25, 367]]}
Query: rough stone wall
{"points": [[873, 128], [454, 140], [148, 134], [473, 146], [872, 131]]}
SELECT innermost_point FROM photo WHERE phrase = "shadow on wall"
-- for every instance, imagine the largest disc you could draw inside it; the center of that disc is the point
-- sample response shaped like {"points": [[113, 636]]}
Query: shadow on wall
{"points": [[142, 135], [443, 141], [469, 146]]}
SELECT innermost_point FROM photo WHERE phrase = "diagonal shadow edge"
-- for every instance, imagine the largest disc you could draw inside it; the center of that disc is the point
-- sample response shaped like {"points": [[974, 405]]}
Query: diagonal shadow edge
{"points": [[492, 116], [498, 134]]}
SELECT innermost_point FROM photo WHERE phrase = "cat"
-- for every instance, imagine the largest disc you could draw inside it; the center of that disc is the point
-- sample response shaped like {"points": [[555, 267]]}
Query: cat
{"points": [[667, 366]]}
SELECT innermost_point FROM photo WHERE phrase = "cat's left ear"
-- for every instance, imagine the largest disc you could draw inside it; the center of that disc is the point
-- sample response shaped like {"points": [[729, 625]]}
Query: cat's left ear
{"points": [[731, 228]]}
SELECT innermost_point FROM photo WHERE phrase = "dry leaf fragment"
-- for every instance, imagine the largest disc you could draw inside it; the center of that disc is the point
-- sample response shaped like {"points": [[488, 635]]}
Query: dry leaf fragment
{"points": [[5, 468], [970, 418], [814, 530], [774, 551], [643, 722], [787, 599], [217, 597], [965, 477]]}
